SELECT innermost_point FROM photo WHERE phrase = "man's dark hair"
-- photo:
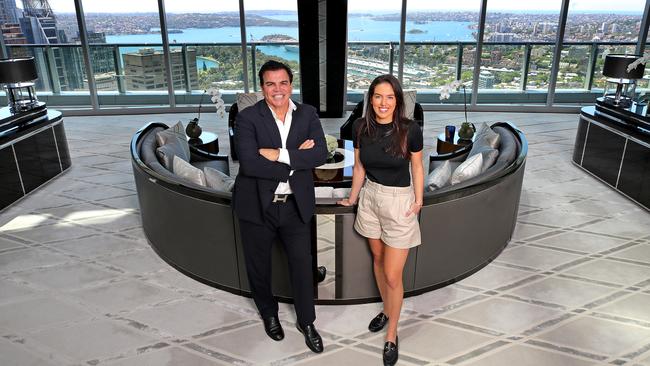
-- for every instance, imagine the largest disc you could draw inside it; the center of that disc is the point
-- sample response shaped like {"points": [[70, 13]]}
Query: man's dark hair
{"points": [[272, 65]]}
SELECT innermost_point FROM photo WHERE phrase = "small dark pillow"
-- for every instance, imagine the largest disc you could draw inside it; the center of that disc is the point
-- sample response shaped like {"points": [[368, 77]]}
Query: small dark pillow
{"points": [[175, 135]]}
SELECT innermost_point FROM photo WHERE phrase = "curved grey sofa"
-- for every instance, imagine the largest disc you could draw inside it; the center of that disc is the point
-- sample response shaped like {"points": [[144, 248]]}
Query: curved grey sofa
{"points": [[464, 226]]}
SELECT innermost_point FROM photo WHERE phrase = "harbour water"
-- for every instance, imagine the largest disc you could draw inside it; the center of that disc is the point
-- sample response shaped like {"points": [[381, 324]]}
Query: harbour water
{"points": [[360, 28]]}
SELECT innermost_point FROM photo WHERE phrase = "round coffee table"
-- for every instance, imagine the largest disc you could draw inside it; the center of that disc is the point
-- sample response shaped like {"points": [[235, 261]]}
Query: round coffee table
{"points": [[445, 147], [207, 141], [337, 174]]}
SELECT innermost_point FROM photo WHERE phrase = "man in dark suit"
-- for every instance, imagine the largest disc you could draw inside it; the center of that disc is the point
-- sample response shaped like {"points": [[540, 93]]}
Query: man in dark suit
{"points": [[278, 143]]}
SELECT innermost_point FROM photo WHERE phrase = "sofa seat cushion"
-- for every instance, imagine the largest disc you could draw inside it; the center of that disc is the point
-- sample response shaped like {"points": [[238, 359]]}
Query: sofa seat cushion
{"points": [[218, 180], [220, 165], [186, 171]]}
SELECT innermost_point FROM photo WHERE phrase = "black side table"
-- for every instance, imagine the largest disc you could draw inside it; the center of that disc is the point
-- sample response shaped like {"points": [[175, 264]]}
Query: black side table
{"points": [[445, 147], [208, 142]]}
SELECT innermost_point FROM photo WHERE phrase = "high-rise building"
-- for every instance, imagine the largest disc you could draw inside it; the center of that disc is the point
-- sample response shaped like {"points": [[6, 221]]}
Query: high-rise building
{"points": [[145, 69], [12, 33], [485, 80], [9, 13]]}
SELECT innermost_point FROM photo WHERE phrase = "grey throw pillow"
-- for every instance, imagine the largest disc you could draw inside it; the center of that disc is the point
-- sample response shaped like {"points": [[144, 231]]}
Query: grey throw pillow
{"points": [[245, 100], [470, 168], [439, 177], [175, 135], [166, 155], [485, 137], [185, 170], [218, 180], [489, 156]]}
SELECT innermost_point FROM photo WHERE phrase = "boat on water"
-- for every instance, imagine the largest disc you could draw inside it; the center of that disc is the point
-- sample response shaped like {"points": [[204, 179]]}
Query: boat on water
{"points": [[291, 48]]}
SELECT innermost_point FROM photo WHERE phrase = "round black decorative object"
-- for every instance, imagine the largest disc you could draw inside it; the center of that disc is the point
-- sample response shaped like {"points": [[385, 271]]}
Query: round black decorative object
{"points": [[193, 130], [466, 131]]}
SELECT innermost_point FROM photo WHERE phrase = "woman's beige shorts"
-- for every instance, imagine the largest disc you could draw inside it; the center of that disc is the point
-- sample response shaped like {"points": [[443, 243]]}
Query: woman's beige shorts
{"points": [[382, 215]]}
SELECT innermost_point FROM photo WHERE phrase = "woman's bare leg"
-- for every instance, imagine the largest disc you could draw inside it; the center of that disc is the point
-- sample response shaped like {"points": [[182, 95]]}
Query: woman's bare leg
{"points": [[394, 261]]}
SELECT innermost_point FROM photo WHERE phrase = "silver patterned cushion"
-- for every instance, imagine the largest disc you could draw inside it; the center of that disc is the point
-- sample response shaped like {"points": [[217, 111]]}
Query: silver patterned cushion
{"points": [[470, 168], [485, 138], [218, 180], [185, 170], [175, 135], [439, 177], [245, 100]]}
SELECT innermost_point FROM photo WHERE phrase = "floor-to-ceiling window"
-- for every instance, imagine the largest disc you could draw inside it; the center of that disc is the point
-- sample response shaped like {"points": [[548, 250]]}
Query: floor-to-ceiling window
{"points": [[126, 52], [53, 26], [272, 33], [373, 37], [517, 53], [440, 45], [205, 47], [594, 29]]}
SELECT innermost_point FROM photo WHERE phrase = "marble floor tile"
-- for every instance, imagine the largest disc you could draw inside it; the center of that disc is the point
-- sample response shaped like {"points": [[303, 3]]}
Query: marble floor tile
{"points": [[611, 271], [582, 242], [436, 342], [565, 292], [618, 227], [640, 253], [93, 340], [140, 261], [253, 345], [112, 223], [523, 355], [67, 277], [16, 354], [125, 296], [13, 291], [437, 299], [523, 231], [26, 222], [635, 306], [38, 313], [97, 245], [489, 314], [494, 276], [344, 357], [557, 218], [55, 232], [6, 244], [537, 258], [346, 321], [169, 356], [598, 336], [24, 259], [186, 318]]}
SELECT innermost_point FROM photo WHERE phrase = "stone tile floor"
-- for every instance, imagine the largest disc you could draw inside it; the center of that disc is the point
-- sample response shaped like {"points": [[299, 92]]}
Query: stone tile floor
{"points": [[80, 285]]}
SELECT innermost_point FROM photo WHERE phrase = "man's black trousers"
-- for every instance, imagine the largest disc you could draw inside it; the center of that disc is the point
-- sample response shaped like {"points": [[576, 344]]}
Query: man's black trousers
{"points": [[282, 222]]}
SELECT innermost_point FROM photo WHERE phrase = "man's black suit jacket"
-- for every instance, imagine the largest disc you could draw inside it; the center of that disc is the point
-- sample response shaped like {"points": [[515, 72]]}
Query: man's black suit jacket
{"points": [[258, 177]]}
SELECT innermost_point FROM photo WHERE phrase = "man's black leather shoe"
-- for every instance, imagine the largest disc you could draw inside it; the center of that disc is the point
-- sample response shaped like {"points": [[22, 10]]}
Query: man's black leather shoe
{"points": [[378, 322], [273, 328], [391, 353], [312, 338]]}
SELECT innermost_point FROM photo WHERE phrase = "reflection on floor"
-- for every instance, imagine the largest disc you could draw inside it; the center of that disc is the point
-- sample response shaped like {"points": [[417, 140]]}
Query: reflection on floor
{"points": [[79, 284]]}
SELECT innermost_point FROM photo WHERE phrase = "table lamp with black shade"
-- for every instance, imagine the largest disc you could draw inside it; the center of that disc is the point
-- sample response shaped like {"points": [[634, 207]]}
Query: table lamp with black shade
{"points": [[616, 71], [17, 76]]}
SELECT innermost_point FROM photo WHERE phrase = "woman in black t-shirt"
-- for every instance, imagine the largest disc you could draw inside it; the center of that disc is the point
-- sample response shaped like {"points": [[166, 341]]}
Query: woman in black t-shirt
{"points": [[388, 180]]}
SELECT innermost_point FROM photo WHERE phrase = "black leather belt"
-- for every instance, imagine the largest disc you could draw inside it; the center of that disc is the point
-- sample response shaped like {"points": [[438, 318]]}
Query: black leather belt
{"points": [[281, 198]]}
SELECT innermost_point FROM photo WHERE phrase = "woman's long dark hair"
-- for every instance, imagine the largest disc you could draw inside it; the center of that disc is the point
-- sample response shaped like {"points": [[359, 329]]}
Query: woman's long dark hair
{"points": [[399, 131]]}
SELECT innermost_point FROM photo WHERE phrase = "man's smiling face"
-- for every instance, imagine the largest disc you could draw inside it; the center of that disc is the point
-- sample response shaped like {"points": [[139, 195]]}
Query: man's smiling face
{"points": [[277, 88]]}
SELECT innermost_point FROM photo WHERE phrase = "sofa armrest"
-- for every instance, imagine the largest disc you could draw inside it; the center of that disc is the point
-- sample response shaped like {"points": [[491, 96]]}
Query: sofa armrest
{"points": [[200, 155]]}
